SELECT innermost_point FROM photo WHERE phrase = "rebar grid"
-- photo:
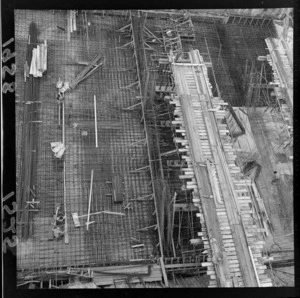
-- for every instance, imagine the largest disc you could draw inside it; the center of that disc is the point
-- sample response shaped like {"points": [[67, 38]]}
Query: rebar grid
{"points": [[227, 47], [109, 239]]}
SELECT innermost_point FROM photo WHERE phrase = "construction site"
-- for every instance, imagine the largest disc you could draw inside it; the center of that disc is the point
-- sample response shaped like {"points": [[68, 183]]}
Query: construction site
{"points": [[154, 148]]}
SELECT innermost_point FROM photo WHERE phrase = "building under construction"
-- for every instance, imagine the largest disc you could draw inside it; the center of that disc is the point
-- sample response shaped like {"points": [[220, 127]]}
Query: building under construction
{"points": [[154, 148]]}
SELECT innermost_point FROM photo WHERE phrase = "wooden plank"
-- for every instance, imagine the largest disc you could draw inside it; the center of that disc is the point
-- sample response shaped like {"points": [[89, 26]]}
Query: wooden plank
{"points": [[162, 266], [66, 235], [186, 265], [90, 200], [96, 125], [118, 188], [68, 26]]}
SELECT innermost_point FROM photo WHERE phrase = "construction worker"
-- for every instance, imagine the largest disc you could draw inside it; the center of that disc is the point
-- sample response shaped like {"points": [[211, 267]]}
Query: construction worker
{"points": [[60, 219], [60, 97], [58, 232], [62, 88]]}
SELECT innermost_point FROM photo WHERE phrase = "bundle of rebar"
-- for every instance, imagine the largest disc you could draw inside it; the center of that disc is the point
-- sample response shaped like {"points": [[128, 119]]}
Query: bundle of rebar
{"points": [[94, 64], [29, 143]]}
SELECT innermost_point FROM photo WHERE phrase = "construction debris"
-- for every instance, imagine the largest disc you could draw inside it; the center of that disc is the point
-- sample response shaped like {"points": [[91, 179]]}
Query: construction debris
{"points": [[39, 60]]}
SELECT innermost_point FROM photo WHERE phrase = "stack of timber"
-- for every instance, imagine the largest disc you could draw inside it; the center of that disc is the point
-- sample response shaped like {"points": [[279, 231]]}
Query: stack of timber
{"points": [[206, 144], [71, 23], [282, 69], [39, 60], [282, 80]]}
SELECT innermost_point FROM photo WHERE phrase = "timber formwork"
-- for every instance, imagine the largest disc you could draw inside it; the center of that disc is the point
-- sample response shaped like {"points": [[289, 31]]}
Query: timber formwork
{"points": [[220, 191]]}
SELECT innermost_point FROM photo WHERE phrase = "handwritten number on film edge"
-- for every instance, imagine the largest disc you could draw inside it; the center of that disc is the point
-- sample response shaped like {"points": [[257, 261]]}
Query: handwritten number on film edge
{"points": [[7, 55]]}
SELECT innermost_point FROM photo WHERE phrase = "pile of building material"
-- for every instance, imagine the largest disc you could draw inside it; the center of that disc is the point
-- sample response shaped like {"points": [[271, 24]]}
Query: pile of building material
{"points": [[39, 60], [58, 148], [282, 68], [91, 67], [71, 23], [72, 20]]}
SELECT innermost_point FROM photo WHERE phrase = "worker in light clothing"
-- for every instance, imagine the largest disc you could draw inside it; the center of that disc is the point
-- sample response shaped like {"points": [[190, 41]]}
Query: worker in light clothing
{"points": [[60, 97], [58, 232], [275, 177], [62, 88], [59, 221]]}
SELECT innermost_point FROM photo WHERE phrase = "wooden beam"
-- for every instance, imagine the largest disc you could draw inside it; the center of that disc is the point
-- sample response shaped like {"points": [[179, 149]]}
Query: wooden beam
{"points": [[138, 245], [185, 207], [66, 235], [146, 168], [96, 126], [133, 106], [253, 264], [59, 109], [150, 196], [186, 265], [68, 26], [63, 123], [147, 228], [202, 178], [90, 199], [168, 153], [125, 27], [162, 266]]}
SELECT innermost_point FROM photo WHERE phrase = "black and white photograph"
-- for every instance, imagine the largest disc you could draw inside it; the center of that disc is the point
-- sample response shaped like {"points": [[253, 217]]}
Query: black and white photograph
{"points": [[153, 148]]}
